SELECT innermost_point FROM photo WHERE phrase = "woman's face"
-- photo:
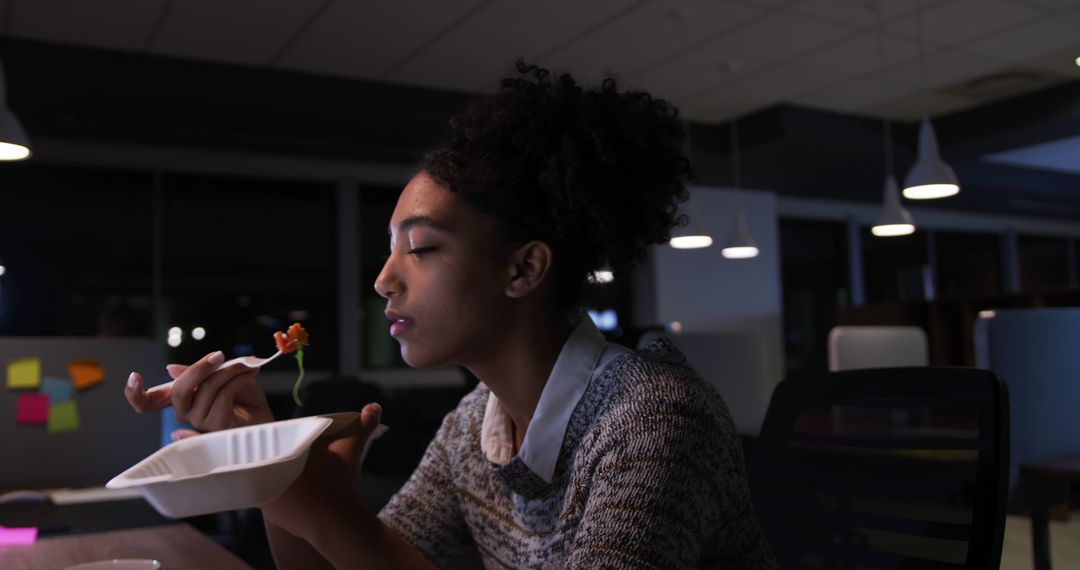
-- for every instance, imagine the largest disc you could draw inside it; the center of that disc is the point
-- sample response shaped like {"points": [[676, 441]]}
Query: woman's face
{"points": [[444, 281]]}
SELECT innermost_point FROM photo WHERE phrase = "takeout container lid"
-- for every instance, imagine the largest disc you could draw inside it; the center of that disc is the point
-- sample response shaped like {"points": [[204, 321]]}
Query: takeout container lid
{"points": [[224, 470]]}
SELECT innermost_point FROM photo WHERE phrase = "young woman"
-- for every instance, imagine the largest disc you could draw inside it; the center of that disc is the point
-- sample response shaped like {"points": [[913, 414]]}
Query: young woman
{"points": [[572, 452]]}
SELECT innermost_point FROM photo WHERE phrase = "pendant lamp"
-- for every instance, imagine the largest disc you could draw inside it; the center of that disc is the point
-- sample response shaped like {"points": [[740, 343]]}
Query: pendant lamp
{"points": [[690, 238], [693, 237], [14, 144], [739, 244], [894, 219], [930, 177]]}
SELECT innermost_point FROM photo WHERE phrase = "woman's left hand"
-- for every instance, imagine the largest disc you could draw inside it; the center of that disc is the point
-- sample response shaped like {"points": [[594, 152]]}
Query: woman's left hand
{"points": [[328, 482]]}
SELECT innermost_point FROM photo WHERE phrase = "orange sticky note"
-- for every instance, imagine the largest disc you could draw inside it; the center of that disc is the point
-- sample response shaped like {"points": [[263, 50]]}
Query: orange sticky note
{"points": [[24, 373], [85, 373]]}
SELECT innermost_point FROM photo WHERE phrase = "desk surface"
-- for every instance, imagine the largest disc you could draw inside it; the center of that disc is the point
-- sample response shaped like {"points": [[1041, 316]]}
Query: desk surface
{"points": [[177, 547], [1067, 467]]}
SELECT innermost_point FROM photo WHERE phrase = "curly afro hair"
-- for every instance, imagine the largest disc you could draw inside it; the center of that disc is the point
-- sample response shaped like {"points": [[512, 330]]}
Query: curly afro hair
{"points": [[597, 174]]}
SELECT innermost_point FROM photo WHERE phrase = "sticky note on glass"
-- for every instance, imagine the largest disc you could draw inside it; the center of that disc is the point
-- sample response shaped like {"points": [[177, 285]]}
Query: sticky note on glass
{"points": [[17, 536], [58, 390], [63, 417], [24, 373], [33, 409], [85, 373]]}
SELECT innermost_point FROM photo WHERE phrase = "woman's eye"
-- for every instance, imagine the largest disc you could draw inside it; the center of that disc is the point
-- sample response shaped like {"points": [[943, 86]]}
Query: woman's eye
{"points": [[422, 250]]}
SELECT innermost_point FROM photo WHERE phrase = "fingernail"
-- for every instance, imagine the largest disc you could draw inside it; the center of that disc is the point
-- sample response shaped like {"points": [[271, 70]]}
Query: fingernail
{"points": [[132, 380], [378, 409], [216, 358]]}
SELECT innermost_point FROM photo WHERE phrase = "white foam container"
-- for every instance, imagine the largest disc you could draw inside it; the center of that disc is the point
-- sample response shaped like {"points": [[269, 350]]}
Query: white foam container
{"points": [[224, 470]]}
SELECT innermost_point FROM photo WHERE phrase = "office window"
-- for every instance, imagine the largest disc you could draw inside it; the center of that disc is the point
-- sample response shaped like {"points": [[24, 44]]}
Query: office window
{"points": [[968, 264], [1044, 262], [245, 257], [76, 248], [380, 350], [896, 269], [1074, 275], [814, 278]]}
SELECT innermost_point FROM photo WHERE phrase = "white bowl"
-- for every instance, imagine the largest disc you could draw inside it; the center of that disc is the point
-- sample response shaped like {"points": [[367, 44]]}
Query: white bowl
{"points": [[224, 470]]}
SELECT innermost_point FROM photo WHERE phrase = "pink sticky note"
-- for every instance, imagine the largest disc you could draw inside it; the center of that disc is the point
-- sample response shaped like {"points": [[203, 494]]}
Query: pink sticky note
{"points": [[17, 536], [33, 409]]}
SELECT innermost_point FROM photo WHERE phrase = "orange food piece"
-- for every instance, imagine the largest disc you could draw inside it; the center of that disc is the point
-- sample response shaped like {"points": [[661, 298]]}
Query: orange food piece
{"points": [[292, 340]]}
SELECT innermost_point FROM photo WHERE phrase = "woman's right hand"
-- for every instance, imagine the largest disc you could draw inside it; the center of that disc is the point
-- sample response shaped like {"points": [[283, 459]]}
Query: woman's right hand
{"points": [[207, 398]]}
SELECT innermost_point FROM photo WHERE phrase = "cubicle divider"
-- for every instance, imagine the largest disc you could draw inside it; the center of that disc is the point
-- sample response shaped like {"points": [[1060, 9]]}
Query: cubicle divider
{"points": [[63, 417]]}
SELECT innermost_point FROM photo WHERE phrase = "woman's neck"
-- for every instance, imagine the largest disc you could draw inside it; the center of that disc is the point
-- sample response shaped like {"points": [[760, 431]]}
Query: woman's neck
{"points": [[520, 365]]}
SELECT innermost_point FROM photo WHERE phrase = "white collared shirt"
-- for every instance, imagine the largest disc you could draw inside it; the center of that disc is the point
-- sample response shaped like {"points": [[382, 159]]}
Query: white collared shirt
{"points": [[585, 354]]}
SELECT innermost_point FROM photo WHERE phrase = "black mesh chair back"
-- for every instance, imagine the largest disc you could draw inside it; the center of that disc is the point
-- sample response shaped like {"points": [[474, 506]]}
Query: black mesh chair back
{"points": [[884, 469]]}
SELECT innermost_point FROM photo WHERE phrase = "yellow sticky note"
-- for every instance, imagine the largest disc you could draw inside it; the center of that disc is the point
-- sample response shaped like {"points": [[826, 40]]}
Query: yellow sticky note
{"points": [[24, 373], [85, 373], [63, 417]]}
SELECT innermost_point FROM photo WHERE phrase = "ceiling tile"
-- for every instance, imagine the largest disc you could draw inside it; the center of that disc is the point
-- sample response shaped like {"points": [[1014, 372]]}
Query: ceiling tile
{"points": [[775, 37], [1051, 4], [853, 96], [959, 21], [864, 53], [769, 4], [1034, 39], [364, 39], [788, 81], [480, 51], [944, 68], [111, 24], [859, 13], [1061, 63], [910, 107], [5, 21], [690, 73], [723, 105], [207, 29], [642, 38]]}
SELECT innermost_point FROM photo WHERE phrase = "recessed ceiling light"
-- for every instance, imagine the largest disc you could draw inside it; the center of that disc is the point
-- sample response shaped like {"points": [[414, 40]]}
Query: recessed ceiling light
{"points": [[1077, 60]]}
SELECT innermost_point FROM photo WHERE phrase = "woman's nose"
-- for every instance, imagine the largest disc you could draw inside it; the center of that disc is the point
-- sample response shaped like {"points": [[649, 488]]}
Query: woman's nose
{"points": [[387, 284]]}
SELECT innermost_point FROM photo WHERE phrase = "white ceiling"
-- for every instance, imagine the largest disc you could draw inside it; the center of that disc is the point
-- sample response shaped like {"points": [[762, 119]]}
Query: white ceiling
{"points": [[713, 58]]}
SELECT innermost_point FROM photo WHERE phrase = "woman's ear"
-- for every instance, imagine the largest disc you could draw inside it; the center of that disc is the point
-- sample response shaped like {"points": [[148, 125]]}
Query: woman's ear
{"points": [[529, 265]]}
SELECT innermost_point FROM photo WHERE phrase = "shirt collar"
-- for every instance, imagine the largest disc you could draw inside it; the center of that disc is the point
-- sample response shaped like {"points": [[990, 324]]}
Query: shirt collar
{"points": [[583, 355]]}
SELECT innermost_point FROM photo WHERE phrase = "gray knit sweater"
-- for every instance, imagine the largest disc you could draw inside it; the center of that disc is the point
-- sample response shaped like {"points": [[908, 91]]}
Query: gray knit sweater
{"points": [[650, 475]]}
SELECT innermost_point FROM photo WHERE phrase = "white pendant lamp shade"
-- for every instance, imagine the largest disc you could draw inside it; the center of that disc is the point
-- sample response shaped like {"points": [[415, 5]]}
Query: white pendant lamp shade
{"points": [[739, 244], [14, 144], [894, 219], [601, 276], [930, 177], [692, 239]]}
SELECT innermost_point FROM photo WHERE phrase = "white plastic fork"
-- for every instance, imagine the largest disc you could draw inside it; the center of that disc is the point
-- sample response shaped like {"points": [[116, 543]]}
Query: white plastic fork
{"points": [[249, 361]]}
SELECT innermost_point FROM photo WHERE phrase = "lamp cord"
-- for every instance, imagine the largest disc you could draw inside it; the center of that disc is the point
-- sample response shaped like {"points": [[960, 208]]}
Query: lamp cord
{"points": [[736, 174], [922, 58], [886, 127]]}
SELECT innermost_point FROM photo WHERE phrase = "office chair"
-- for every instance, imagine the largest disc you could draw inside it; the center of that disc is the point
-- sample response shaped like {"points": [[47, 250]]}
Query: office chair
{"points": [[914, 477], [858, 346]]}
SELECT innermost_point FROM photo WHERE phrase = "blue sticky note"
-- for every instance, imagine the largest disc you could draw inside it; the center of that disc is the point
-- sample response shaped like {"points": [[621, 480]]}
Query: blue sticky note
{"points": [[59, 390]]}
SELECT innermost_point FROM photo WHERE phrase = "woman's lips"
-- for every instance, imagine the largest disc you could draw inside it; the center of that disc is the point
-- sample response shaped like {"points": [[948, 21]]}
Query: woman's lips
{"points": [[399, 326]]}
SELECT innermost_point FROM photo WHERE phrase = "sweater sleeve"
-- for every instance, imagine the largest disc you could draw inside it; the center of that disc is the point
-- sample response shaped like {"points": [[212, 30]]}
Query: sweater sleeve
{"points": [[426, 511], [666, 474]]}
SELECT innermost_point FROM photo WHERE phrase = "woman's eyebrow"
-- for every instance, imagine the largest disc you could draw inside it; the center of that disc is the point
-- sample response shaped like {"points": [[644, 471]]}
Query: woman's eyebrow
{"points": [[418, 221]]}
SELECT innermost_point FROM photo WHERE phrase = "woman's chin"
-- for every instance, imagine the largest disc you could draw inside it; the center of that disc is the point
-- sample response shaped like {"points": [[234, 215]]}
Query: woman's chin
{"points": [[417, 359]]}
